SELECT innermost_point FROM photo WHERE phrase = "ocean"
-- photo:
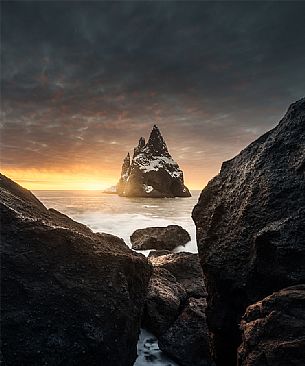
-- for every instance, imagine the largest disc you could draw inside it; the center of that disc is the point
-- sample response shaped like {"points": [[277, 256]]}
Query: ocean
{"points": [[120, 216]]}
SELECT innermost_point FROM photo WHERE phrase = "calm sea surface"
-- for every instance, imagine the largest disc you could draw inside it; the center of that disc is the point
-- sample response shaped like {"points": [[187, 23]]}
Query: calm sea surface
{"points": [[121, 216]]}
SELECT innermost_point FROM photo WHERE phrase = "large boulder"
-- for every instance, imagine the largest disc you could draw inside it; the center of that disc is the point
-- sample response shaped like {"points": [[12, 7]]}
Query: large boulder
{"points": [[164, 301], [68, 296], [175, 308], [250, 223], [273, 330], [160, 238], [187, 340], [151, 172], [186, 269]]}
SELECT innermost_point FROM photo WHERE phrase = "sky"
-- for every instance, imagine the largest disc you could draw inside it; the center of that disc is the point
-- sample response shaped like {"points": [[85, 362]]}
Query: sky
{"points": [[82, 81]]}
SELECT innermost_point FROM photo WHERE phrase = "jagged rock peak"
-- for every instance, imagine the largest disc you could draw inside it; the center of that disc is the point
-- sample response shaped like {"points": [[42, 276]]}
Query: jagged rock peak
{"points": [[140, 146], [152, 172], [156, 143], [125, 167], [141, 142]]}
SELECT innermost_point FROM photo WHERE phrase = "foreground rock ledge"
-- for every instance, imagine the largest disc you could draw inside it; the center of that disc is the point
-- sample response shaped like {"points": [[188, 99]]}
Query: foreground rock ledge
{"points": [[68, 296], [250, 223], [273, 330]]}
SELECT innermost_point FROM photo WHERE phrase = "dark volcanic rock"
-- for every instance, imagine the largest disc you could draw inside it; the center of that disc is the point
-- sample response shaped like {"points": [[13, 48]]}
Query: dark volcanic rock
{"points": [[157, 253], [187, 340], [186, 269], [159, 238], [164, 301], [152, 172], [68, 296], [250, 223], [173, 313], [274, 330]]}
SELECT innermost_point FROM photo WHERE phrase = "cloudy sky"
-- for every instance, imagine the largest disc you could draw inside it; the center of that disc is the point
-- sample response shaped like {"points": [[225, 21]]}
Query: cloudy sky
{"points": [[82, 81]]}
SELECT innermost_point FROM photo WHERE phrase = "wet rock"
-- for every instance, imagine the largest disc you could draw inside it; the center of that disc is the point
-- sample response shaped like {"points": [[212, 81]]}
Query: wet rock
{"points": [[187, 340], [163, 303], [68, 296], [250, 223], [160, 238], [151, 172], [273, 330]]}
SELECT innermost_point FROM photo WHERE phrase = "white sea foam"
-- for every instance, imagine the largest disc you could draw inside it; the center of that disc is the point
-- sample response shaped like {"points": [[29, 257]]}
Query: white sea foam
{"points": [[149, 352], [121, 216]]}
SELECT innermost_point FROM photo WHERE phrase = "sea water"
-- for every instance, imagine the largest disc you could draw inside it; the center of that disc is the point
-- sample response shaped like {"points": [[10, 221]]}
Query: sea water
{"points": [[121, 216]]}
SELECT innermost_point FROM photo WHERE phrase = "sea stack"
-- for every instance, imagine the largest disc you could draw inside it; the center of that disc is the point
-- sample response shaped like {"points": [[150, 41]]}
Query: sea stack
{"points": [[151, 172]]}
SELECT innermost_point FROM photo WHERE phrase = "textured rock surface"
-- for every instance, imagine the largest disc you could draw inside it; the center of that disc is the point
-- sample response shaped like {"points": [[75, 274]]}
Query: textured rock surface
{"points": [[187, 340], [68, 296], [250, 223], [274, 330], [152, 172], [160, 238], [175, 307], [186, 269], [164, 301], [157, 253]]}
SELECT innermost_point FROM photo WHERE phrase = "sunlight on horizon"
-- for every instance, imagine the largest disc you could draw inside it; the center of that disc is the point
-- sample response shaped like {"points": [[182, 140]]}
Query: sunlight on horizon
{"points": [[36, 180]]}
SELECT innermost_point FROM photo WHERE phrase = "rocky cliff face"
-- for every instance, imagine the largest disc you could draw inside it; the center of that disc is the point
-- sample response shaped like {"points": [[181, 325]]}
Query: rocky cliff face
{"points": [[68, 296], [273, 330], [250, 223], [152, 172]]}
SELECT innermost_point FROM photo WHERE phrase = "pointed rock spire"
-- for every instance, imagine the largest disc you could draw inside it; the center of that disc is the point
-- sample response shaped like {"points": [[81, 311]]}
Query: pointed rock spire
{"points": [[156, 142], [125, 167], [140, 146], [152, 172]]}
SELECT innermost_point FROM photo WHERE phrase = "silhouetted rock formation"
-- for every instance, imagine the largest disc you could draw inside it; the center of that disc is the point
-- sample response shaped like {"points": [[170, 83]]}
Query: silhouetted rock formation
{"points": [[250, 223], [166, 238], [152, 172], [273, 330], [175, 308], [68, 296]]}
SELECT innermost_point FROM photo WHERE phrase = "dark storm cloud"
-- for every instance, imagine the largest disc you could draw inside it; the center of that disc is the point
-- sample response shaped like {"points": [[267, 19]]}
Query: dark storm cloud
{"points": [[82, 80]]}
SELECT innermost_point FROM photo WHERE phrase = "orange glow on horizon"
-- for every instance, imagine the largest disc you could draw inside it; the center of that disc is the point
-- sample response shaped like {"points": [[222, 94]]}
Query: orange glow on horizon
{"points": [[34, 179], [52, 179]]}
